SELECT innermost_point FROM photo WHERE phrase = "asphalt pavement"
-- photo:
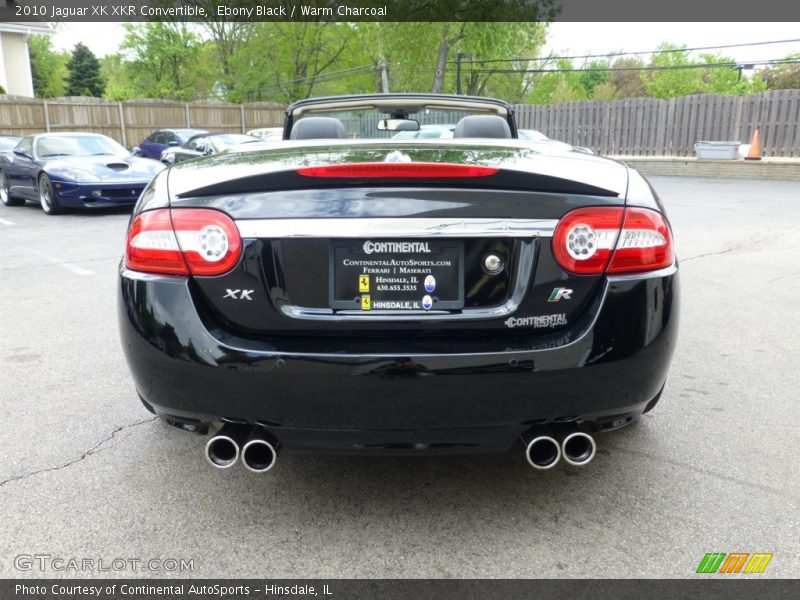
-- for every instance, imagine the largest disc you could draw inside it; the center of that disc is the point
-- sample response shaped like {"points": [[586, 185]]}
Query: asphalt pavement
{"points": [[87, 473]]}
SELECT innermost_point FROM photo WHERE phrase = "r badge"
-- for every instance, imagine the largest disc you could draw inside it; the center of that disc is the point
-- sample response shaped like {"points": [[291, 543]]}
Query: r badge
{"points": [[363, 283], [430, 283], [365, 303], [560, 293]]}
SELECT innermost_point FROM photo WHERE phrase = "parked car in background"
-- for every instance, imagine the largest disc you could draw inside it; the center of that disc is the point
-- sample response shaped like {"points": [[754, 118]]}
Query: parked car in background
{"points": [[347, 292], [160, 140], [7, 142], [427, 132], [61, 170], [204, 144], [533, 135], [267, 134]]}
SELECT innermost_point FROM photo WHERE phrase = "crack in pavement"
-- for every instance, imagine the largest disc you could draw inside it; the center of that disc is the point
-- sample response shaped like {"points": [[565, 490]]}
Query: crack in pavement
{"points": [[748, 244], [706, 472], [98, 447]]}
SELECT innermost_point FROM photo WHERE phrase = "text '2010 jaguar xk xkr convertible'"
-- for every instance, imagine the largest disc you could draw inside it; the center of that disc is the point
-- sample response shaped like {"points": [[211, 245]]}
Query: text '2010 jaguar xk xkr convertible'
{"points": [[345, 290]]}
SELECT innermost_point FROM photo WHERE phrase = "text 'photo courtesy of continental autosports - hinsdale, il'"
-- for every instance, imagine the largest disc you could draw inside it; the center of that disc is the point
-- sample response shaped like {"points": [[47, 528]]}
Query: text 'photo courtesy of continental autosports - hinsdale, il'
{"points": [[357, 287]]}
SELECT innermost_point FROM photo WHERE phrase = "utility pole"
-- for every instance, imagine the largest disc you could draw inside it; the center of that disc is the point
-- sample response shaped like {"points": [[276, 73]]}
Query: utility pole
{"points": [[384, 78], [459, 56]]}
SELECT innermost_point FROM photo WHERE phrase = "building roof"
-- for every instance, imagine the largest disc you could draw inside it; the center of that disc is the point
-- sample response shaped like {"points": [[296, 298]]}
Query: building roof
{"points": [[26, 27]]}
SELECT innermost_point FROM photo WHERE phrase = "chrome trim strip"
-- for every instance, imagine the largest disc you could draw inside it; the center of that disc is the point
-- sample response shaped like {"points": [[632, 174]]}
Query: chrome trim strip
{"points": [[524, 269], [395, 227], [665, 272]]}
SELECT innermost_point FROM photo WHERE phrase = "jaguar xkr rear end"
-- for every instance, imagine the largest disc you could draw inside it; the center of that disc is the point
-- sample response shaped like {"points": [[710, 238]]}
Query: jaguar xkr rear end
{"points": [[462, 297]]}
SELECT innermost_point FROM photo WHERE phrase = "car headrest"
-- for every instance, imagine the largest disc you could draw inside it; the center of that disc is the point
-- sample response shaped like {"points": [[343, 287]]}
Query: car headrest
{"points": [[482, 126], [318, 128]]}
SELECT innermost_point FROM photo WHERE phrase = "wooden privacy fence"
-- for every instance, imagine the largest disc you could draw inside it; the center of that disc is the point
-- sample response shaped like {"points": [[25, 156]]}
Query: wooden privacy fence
{"points": [[632, 127], [131, 121], [655, 127]]}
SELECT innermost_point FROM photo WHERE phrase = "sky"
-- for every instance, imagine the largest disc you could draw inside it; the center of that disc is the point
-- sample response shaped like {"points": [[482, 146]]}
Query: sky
{"points": [[573, 38]]}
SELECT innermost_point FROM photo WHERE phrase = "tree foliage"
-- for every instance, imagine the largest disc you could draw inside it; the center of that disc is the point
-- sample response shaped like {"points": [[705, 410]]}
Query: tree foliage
{"points": [[783, 76], [159, 60], [83, 77], [286, 61], [48, 67]]}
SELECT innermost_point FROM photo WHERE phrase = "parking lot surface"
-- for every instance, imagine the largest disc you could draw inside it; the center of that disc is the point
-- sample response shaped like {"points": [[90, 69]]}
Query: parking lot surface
{"points": [[86, 472]]}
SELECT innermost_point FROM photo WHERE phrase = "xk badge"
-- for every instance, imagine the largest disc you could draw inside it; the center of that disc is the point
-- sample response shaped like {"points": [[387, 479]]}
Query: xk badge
{"points": [[560, 293], [238, 294]]}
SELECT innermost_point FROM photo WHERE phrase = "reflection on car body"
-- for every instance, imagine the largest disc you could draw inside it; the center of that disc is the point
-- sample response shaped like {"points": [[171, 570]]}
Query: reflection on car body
{"points": [[204, 144], [72, 170]]}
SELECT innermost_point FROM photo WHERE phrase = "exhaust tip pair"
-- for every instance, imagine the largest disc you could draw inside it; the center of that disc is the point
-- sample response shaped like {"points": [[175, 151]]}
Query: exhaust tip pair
{"points": [[257, 448], [544, 452]]}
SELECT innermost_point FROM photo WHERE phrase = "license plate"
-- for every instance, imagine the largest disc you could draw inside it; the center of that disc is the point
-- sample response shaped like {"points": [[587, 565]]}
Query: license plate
{"points": [[397, 275]]}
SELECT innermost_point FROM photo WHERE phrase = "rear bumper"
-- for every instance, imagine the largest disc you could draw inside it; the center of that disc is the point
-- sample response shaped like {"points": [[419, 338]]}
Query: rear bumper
{"points": [[344, 395]]}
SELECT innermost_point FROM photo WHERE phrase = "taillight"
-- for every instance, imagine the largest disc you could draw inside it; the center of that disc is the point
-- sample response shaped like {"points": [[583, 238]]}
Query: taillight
{"points": [[398, 170], [595, 240], [645, 243], [183, 241], [585, 238]]}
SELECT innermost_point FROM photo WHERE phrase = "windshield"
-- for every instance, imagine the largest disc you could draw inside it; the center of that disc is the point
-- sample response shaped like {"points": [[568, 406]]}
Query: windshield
{"points": [[77, 145], [435, 123], [7, 143], [183, 135], [226, 140]]}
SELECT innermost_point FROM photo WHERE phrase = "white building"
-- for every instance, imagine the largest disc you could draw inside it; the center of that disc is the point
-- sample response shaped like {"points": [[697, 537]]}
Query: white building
{"points": [[15, 63]]}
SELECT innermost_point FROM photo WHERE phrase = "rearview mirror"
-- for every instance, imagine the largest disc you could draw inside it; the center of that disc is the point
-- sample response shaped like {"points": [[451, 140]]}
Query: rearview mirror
{"points": [[22, 152], [172, 143], [398, 125], [136, 151]]}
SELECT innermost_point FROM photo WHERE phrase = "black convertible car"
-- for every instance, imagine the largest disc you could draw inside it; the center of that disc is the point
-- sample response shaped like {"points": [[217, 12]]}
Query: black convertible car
{"points": [[349, 291]]}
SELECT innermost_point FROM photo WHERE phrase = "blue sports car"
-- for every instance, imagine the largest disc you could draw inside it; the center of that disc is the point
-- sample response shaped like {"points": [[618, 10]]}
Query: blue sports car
{"points": [[72, 170]]}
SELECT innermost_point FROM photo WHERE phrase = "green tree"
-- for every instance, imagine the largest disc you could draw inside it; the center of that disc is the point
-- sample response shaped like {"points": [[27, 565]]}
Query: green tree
{"points": [[563, 85], [287, 61], [486, 41], [728, 80], [160, 60], [595, 74], [83, 78], [676, 78], [605, 92], [48, 67]]}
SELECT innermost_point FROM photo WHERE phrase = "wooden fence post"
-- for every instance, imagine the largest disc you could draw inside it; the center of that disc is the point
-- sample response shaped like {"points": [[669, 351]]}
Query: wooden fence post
{"points": [[46, 116], [122, 125]]}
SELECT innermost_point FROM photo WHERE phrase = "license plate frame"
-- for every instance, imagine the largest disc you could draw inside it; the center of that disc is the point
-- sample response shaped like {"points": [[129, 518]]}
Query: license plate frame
{"points": [[390, 264]]}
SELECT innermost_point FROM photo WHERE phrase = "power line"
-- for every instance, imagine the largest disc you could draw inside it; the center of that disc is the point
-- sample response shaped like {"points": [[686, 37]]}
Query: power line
{"points": [[728, 65], [639, 53]]}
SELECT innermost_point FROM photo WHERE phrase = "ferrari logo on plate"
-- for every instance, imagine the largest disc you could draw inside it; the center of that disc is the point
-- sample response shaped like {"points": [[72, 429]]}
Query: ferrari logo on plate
{"points": [[363, 283], [365, 303]]}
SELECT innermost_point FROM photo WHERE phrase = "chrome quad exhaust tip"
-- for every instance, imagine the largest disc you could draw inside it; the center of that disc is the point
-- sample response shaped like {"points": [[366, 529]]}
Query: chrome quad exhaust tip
{"points": [[223, 449], [543, 452], [578, 448], [260, 452]]}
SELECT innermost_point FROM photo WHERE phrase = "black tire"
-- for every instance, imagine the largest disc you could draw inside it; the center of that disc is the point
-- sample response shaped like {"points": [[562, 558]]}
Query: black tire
{"points": [[6, 198], [47, 196]]}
